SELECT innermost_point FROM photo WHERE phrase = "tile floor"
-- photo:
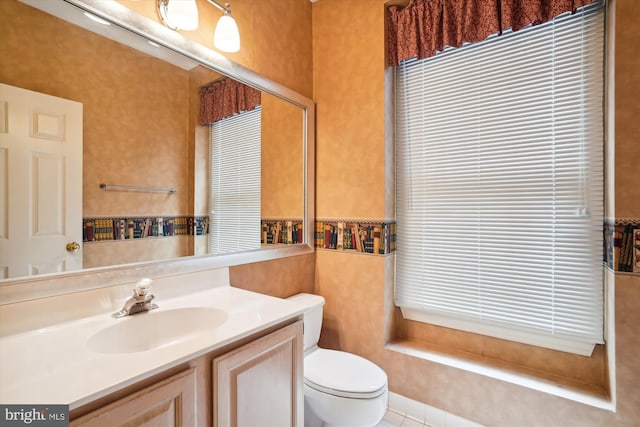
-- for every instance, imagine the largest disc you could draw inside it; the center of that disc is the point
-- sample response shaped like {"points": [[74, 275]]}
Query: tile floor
{"points": [[394, 419], [405, 412]]}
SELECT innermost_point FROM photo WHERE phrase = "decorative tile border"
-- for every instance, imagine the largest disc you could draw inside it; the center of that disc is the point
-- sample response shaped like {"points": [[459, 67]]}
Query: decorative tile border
{"points": [[621, 237], [281, 231], [622, 244], [104, 229], [366, 236], [101, 229]]}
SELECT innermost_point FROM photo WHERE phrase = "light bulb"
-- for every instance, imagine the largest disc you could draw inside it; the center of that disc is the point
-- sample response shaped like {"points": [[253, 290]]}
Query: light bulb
{"points": [[183, 14], [226, 36]]}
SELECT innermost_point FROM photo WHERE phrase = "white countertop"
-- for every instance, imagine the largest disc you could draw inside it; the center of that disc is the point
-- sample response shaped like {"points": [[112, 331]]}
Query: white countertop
{"points": [[53, 365]]}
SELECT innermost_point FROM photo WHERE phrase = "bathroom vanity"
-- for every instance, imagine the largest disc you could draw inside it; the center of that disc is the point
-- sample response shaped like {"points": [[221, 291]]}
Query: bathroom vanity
{"points": [[210, 354], [249, 385]]}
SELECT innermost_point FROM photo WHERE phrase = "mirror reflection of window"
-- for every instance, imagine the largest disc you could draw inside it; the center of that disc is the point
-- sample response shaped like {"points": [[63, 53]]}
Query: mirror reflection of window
{"points": [[234, 219]]}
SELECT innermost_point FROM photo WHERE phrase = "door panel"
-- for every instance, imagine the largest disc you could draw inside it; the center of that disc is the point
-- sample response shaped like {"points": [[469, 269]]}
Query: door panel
{"points": [[40, 182], [260, 383], [169, 403]]}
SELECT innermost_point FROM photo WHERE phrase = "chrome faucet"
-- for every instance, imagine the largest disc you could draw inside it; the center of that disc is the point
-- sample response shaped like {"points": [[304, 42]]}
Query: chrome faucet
{"points": [[139, 301]]}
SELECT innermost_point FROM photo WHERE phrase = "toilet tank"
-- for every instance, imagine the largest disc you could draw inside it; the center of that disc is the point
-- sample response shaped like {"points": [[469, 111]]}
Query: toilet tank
{"points": [[312, 317]]}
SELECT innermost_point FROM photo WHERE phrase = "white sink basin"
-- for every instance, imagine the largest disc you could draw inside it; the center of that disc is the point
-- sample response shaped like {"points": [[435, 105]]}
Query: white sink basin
{"points": [[155, 329]]}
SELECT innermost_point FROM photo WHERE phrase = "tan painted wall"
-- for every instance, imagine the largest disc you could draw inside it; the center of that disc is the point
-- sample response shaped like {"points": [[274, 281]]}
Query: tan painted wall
{"points": [[282, 163], [279, 278], [627, 125], [348, 49], [349, 74]]}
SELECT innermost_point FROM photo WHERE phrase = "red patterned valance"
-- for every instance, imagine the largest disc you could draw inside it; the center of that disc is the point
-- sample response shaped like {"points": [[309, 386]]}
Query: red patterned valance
{"points": [[425, 27], [225, 98]]}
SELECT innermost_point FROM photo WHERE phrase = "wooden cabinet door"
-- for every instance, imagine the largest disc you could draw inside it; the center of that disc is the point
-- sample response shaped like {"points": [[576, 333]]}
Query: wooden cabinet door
{"points": [[260, 383], [171, 402]]}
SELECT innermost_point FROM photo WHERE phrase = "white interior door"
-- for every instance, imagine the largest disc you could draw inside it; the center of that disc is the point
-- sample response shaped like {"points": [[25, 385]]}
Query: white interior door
{"points": [[40, 183]]}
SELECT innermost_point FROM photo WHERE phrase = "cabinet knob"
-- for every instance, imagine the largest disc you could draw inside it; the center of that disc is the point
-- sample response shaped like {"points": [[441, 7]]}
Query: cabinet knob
{"points": [[73, 247]]}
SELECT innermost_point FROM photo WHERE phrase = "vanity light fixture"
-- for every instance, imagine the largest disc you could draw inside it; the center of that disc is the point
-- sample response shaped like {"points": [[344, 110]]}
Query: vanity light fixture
{"points": [[183, 15], [226, 37], [178, 14]]}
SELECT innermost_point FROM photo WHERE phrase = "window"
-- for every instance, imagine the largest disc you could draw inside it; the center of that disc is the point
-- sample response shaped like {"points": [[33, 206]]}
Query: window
{"points": [[499, 151], [234, 220]]}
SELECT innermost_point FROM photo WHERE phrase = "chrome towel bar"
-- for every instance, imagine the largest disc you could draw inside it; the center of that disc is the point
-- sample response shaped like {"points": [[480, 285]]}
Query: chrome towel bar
{"points": [[107, 187]]}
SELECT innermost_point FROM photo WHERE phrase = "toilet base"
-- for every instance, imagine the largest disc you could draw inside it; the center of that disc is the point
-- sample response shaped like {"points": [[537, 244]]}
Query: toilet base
{"points": [[310, 417], [325, 410]]}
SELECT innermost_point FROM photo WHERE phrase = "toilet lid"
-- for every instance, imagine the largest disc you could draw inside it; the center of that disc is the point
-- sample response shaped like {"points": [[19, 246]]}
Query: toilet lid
{"points": [[343, 374]]}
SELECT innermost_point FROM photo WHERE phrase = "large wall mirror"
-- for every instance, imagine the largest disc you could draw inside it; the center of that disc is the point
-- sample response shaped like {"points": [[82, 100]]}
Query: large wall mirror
{"points": [[137, 85]]}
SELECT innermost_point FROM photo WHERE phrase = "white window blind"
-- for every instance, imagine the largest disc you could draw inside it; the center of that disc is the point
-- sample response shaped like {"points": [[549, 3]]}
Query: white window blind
{"points": [[499, 151], [234, 221]]}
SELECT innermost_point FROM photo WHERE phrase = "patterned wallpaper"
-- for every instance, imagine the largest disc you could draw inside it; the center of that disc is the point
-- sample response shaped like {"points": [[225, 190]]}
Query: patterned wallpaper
{"points": [[353, 235], [622, 244], [109, 229]]}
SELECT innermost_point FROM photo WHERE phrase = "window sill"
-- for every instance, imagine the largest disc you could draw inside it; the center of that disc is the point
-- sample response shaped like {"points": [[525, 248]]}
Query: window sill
{"points": [[496, 330], [582, 393]]}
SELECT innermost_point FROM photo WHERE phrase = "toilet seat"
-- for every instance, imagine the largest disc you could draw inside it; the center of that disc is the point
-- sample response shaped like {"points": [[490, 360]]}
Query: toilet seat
{"points": [[343, 374]]}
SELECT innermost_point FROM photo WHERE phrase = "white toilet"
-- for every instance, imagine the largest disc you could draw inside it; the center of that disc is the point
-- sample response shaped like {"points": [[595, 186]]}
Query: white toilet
{"points": [[340, 389]]}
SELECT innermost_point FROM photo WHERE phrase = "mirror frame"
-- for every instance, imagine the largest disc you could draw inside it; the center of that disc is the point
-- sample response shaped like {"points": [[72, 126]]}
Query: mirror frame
{"points": [[47, 285]]}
